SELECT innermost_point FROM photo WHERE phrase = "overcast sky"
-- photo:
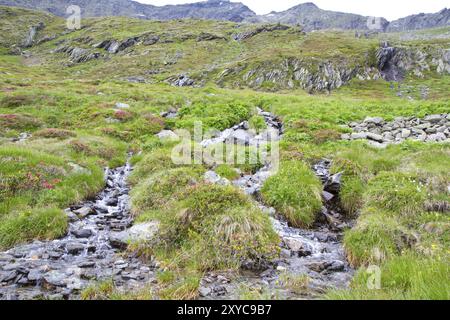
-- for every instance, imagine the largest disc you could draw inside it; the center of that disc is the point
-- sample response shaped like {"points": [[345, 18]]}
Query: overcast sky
{"points": [[390, 9]]}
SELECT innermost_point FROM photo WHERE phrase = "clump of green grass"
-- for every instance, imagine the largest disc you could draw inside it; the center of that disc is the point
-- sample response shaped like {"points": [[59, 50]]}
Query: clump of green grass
{"points": [[185, 288], [407, 277], [42, 224], [218, 227], [227, 172], [298, 284], [163, 187], [106, 290], [257, 123], [376, 237], [397, 192], [295, 192]]}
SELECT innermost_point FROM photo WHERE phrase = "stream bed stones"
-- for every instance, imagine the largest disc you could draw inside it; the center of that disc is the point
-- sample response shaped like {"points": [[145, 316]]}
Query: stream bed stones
{"points": [[59, 269], [432, 128], [316, 254]]}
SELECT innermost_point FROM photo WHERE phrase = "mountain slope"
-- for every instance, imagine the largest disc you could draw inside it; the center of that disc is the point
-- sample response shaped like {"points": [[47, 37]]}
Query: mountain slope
{"points": [[307, 14], [211, 9], [313, 18], [421, 21]]}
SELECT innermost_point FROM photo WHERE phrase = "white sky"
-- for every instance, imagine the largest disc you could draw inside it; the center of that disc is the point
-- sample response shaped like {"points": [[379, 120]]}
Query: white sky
{"points": [[390, 9]]}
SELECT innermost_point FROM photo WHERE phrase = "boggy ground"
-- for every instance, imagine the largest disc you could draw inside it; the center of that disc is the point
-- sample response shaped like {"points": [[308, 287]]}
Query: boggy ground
{"points": [[79, 121]]}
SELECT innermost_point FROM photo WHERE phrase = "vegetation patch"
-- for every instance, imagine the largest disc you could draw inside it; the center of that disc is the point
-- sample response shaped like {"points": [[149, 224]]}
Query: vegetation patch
{"points": [[295, 192]]}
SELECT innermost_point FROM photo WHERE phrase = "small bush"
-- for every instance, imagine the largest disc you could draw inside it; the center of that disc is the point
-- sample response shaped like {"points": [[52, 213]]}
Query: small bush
{"points": [[295, 192], [324, 135], [17, 101], [54, 133], [19, 122]]}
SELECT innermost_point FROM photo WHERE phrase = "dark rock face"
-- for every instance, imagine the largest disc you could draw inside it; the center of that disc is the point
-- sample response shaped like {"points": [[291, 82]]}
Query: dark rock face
{"points": [[421, 21]]}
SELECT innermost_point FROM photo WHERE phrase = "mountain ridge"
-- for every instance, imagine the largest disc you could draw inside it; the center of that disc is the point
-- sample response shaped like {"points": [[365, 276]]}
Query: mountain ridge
{"points": [[308, 14]]}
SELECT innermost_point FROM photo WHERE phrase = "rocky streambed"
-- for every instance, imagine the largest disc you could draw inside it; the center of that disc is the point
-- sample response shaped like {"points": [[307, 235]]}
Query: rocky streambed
{"points": [[92, 250], [317, 254]]}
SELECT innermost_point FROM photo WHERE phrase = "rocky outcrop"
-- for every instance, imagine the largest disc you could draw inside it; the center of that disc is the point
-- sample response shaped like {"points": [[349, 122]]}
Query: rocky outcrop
{"points": [[114, 46], [251, 33], [294, 73], [433, 128], [78, 55], [394, 62]]}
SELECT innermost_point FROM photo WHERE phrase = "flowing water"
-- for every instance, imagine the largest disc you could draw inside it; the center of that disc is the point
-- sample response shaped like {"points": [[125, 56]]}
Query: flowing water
{"points": [[59, 269], [317, 253]]}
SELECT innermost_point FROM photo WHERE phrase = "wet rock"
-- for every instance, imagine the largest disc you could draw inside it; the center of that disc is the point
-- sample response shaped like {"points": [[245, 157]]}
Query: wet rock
{"points": [[55, 278], [297, 246], [75, 248], [8, 276], [83, 233], [83, 212], [35, 276], [333, 185]]}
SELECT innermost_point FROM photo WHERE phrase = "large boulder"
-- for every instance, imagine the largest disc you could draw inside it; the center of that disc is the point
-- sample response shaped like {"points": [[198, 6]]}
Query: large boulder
{"points": [[142, 232]]}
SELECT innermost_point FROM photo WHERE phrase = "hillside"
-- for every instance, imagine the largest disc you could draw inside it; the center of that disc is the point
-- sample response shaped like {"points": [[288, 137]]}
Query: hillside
{"points": [[214, 160], [224, 53]]}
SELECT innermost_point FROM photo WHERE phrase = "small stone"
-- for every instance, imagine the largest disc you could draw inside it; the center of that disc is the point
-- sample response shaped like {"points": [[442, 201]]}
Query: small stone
{"points": [[281, 269], [204, 291], [83, 233], [168, 135], [375, 137], [357, 136], [376, 120], [434, 118], [83, 212], [74, 248], [120, 105], [406, 133]]}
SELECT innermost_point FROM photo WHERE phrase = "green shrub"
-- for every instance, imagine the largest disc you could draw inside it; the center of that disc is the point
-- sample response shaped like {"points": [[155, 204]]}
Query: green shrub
{"points": [[295, 192]]}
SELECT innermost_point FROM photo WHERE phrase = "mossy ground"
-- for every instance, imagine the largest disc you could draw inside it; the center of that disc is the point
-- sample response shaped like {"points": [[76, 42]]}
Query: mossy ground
{"points": [[72, 114]]}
